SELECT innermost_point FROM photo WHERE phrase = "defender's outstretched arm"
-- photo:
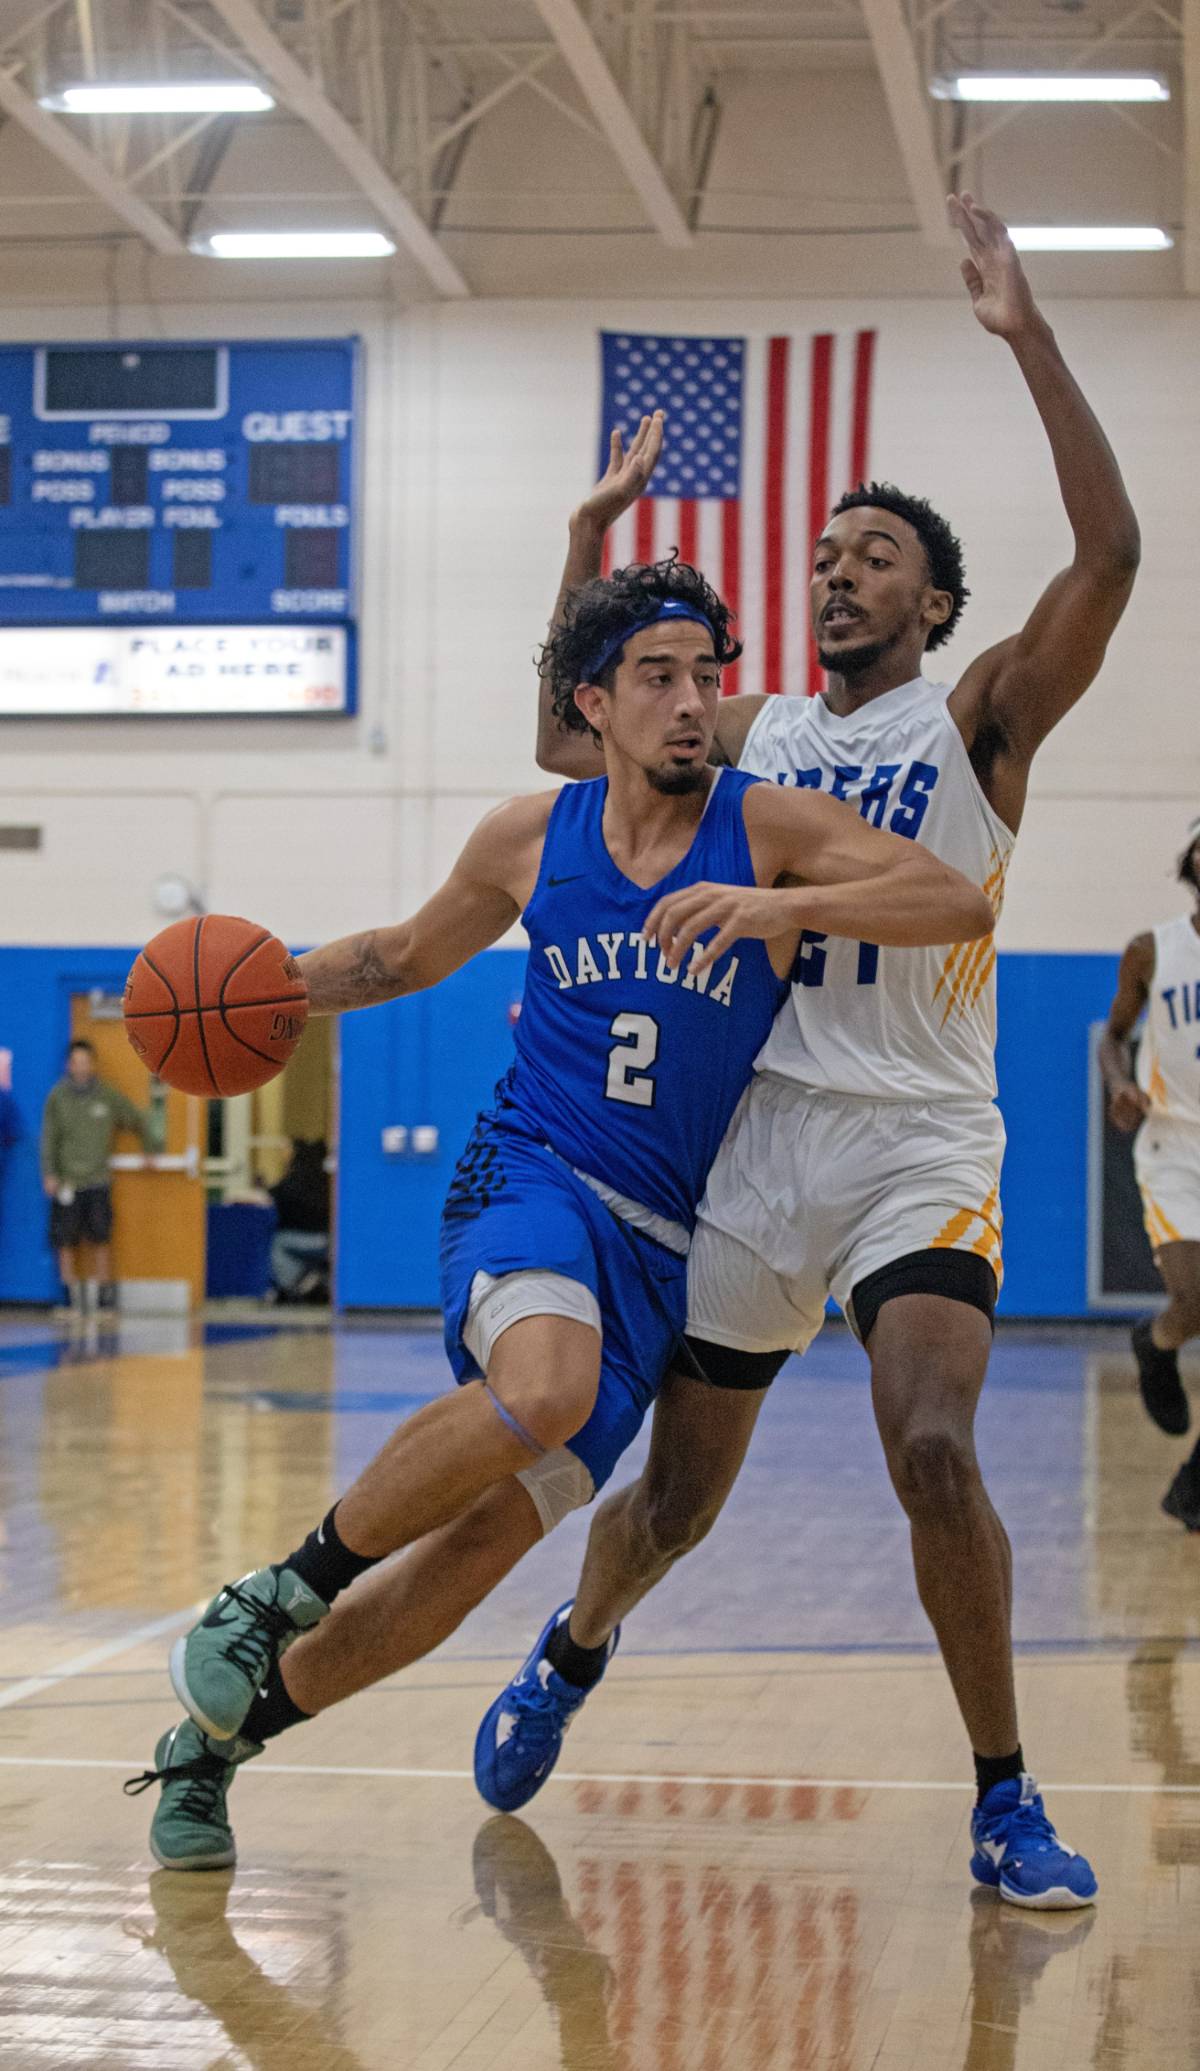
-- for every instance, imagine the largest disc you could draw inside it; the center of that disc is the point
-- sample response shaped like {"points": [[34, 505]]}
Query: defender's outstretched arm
{"points": [[1018, 690], [821, 867], [478, 903]]}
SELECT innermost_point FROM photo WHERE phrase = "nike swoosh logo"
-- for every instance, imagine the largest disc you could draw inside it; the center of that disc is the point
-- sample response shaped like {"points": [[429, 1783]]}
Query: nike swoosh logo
{"points": [[554, 882]]}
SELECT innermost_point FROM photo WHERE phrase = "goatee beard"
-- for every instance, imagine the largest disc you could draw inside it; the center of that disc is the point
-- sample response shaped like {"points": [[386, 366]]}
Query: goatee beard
{"points": [[850, 662], [679, 783]]}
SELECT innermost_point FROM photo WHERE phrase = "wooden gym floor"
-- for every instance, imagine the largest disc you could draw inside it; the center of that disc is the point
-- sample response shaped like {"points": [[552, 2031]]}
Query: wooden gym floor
{"points": [[754, 1855]]}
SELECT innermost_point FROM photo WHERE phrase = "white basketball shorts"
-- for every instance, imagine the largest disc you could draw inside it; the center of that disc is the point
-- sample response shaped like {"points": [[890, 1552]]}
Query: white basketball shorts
{"points": [[812, 1191], [1166, 1158]]}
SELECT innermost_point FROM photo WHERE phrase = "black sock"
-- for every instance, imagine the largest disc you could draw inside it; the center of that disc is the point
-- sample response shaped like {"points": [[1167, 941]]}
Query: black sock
{"points": [[272, 1711], [993, 1769], [325, 1564], [581, 1666]]}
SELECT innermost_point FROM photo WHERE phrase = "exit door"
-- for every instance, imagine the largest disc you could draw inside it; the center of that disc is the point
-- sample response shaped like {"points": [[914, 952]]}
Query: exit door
{"points": [[158, 1202]]}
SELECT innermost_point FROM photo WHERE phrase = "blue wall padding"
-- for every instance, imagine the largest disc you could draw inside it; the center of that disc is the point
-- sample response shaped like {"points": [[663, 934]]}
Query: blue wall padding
{"points": [[35, 1024], [434, 1060], [1046, 1005], [429, 1060]]}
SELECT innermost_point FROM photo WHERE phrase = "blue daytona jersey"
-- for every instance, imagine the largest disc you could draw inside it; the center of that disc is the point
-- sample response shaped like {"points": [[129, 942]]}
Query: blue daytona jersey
{"points": [[626, 1068]]}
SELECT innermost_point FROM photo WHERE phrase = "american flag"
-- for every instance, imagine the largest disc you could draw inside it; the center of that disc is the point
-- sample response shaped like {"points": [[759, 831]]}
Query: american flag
{"points": [[763, 435]]}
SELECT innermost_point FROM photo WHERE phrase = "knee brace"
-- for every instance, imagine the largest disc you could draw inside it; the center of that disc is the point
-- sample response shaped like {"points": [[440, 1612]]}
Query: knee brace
{"points": [[558, 1483]]}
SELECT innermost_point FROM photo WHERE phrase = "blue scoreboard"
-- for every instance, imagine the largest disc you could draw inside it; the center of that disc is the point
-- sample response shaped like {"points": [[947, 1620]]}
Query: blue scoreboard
{"points": [[191, 485]]}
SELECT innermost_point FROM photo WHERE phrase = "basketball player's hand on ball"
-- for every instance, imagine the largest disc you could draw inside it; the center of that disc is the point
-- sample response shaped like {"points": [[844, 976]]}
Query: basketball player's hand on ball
{"points": [[624, 479], [735, 911], [1127, 1106], [1000, 294]]}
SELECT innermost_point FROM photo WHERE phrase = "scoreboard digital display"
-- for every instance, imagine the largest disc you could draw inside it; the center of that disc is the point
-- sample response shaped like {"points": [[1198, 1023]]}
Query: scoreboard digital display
{"points": [[171, 484]]}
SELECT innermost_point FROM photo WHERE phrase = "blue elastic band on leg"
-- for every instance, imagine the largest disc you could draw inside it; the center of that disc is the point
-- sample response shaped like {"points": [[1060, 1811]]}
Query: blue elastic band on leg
{"points": [[507, 1417]]}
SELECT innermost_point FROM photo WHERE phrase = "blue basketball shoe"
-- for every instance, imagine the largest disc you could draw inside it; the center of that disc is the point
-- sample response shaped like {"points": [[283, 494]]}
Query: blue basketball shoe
{"points": [[1018, 1851], [521, 1735]]}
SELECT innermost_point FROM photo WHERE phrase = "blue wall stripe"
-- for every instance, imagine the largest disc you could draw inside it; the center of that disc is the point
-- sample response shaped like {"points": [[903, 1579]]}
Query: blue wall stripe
{"points": [[433, 1060]]}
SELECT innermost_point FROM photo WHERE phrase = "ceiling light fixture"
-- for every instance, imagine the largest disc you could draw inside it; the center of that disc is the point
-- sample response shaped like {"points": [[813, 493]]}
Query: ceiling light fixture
{"points": [[295, 244], [201, 97], [1087, 237], [1052, 86]]}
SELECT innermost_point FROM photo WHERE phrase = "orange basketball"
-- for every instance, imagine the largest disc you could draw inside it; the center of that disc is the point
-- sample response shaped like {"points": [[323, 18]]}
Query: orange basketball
{"points": [[215, 1005]]}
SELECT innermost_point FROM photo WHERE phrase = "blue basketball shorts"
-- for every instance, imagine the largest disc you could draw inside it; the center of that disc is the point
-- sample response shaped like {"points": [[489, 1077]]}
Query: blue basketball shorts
{"points": [[514, 1206]]}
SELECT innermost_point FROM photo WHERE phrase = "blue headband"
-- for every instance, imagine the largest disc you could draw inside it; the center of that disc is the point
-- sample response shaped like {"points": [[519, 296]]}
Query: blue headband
{"points": [[665, 607]]}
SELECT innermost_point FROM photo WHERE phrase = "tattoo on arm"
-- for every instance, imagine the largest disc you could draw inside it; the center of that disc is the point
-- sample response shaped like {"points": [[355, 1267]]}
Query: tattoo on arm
{"points": [[351, 973], [367, 973]]}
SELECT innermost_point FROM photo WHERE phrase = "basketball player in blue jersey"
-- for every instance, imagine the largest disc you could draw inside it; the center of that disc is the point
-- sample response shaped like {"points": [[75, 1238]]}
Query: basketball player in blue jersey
{"points": [[870, 1126], [663, 905]]}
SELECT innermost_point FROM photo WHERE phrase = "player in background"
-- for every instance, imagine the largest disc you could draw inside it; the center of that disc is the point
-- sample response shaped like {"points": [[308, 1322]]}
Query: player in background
{"points": [[1160, 975], [870, 1126], [566, 1227]]}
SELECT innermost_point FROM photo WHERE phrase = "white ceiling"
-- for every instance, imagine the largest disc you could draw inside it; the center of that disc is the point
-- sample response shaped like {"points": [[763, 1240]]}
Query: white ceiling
{"points": [[582, 147]]}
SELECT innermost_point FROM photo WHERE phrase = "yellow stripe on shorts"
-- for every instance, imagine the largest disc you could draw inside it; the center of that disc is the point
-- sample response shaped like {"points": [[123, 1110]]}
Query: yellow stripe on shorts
{"points": [[987, 1243], [1166, 1232]]}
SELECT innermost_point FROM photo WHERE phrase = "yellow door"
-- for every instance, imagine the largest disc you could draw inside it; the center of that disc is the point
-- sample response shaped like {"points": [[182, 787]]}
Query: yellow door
{"points": [[158, 1214]]}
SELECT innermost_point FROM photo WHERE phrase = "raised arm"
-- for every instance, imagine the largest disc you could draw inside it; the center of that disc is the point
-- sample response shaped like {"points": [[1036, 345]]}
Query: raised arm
{"points": [[821, 868], [1011, 697], [560, 750], [563, 753], [1126, 1101], [480, 900]]}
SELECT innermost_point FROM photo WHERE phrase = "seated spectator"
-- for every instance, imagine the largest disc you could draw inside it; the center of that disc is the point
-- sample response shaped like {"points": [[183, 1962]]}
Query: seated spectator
{"points": [[300, 1246]]}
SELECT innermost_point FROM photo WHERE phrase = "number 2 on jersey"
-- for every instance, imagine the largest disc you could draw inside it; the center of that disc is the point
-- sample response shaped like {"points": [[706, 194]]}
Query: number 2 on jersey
{"points": [[636, 1046]]}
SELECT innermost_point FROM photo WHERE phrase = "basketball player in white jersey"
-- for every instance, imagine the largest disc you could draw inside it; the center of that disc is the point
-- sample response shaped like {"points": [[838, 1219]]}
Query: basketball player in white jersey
{"points": [[1160, 974], [864, 1160]]}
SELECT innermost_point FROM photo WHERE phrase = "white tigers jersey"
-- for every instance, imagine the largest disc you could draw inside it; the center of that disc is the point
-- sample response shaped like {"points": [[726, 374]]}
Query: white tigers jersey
{"points": [[1168, 1066], [897, 1024]]}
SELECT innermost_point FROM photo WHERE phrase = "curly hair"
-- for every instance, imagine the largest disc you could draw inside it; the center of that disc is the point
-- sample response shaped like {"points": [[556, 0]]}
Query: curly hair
{"points": [[1186, 869], [943, 550], [598, 612]]}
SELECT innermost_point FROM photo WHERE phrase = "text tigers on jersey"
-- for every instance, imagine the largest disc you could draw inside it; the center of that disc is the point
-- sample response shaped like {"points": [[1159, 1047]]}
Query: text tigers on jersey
{"points": [[596, 958], [889, 795], [1189, 1004]]}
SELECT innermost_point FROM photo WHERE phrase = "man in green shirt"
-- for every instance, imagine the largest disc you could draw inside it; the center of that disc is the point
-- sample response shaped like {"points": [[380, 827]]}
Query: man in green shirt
{"points": [[80, 1120]]}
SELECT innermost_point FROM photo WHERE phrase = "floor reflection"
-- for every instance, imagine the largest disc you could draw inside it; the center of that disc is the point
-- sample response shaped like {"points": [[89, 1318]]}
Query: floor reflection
{"points": [[675, 1958], [277, 2007], [1153, 1689], [1009, 1951], [519, 1888]]}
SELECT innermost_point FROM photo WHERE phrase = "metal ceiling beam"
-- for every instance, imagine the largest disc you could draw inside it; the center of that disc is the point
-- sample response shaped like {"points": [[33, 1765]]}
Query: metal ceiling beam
{"points": [[582, 53], [55, 137], [306, 100], [1191, 147], [909, 107]]}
